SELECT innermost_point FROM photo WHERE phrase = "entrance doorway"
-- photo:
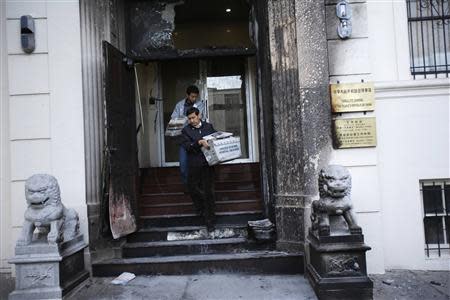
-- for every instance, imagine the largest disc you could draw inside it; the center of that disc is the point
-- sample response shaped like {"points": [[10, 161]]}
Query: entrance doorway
{"points": [[227, 85]]}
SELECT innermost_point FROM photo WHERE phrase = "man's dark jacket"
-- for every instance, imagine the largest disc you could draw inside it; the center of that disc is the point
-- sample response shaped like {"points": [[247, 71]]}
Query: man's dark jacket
{"points": [[189, 140]]}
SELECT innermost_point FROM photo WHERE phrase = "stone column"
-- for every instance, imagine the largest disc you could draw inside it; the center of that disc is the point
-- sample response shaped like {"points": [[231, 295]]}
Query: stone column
{"points": [[301, 112]]}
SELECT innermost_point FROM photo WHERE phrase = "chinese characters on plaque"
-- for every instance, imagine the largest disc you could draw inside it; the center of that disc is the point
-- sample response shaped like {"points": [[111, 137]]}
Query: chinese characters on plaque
{"points": [[353, 132], [351, 97]]}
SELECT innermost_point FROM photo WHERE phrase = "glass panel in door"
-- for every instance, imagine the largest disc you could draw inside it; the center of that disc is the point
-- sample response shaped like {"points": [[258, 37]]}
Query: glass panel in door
{"points": [[227, 105]]}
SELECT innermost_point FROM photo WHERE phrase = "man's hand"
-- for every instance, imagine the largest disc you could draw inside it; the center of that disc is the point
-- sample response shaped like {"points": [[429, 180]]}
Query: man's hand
{"points": [[203, 143]]}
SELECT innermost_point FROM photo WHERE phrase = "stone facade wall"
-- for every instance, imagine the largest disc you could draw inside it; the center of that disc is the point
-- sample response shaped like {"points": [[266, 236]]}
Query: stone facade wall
{"points": [[45, 115], [301, 113]]}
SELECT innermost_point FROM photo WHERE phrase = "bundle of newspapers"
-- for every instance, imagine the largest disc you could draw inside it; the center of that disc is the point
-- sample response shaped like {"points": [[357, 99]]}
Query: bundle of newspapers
{"points": [[223, 146], [261, 230], [175, 126]]}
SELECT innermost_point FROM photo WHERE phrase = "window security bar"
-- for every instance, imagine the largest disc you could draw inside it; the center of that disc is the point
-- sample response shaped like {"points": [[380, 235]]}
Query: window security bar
{"points": [[436, 204], [429, 37]]}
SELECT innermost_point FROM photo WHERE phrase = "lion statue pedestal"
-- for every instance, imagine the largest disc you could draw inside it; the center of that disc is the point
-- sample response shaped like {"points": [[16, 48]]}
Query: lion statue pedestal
{"points": [[49, 254], [337, 254]]}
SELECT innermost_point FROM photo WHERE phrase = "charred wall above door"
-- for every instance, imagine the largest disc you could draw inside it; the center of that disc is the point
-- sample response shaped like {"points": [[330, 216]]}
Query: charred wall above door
{"points": [[171, 29]]}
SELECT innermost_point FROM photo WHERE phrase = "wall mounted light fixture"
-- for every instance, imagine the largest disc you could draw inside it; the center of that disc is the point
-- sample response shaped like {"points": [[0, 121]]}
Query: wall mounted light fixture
{"points": [[27, 32], [344, 13]]}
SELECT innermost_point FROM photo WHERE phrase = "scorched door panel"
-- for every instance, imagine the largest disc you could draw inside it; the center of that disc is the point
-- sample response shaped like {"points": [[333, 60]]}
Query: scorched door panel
{"points": [[121, 141]]}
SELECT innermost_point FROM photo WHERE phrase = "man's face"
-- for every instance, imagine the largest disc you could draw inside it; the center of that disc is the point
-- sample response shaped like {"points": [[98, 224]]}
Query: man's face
{"points": [[192, 97], [194, 119]]}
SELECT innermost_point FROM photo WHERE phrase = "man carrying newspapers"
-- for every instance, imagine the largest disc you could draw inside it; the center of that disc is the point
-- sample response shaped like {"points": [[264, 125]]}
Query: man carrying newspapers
{"points": [[179, 115], [201, 175]]}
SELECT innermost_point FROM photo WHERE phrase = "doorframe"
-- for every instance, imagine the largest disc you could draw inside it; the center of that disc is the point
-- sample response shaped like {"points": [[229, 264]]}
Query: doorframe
{"points": [[250, 99]]}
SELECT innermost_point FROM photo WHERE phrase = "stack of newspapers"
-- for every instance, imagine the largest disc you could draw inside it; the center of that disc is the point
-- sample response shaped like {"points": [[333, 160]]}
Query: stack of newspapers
{"points": [[175, 126], [223, 146]]}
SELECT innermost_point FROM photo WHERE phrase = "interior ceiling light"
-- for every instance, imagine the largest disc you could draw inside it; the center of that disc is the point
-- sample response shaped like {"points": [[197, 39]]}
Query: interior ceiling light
{"points": [[228, 10]]}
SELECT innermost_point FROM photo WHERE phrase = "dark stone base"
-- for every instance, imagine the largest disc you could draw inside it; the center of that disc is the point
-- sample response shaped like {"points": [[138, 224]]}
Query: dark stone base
{"points": [[337, 267], [339, 288], [46, 271]]}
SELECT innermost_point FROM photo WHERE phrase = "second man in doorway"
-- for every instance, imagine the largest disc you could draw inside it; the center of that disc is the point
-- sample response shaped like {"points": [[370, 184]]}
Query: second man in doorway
{"points": [[191, 100]]}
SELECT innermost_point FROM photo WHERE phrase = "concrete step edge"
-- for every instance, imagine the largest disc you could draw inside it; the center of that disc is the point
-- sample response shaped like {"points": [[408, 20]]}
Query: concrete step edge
{"points": [[185, 243], [199, 257]]}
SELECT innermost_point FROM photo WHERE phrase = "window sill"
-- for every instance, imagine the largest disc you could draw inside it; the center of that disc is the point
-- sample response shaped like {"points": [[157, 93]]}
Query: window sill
{"points": [[412, 88]]}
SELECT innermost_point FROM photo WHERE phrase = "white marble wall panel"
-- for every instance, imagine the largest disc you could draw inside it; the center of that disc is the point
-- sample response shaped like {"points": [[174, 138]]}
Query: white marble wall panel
{"points": [[29, 157], [373, 231], [17, 8], [29, 117], [66, 98], [348, 57], [382, 35], [351, 78], [28, 74], [365, 189], [13, 36], [18, 203], [413, 145], [354, 157]]}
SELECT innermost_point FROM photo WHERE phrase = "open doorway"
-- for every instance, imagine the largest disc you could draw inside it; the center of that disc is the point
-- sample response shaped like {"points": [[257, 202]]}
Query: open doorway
{"points": [[226, 81]]}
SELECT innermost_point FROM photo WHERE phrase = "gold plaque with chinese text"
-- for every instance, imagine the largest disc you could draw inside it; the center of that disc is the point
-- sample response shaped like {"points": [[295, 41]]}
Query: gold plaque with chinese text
{"points": [[348, 97], [354, 133]]}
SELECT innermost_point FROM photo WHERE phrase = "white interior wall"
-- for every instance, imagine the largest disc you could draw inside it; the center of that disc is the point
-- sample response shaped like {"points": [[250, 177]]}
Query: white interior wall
{"points": [[45, 107], [149, 149]]}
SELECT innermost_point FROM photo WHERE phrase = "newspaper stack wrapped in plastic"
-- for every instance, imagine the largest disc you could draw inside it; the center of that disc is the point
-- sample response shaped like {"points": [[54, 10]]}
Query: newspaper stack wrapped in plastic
{"points": [[223, 146], [261, 230], [175, 126]]}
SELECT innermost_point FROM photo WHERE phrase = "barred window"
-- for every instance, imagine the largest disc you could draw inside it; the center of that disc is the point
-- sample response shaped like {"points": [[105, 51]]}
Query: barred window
{"points": [[436, 221], [428, 24]]}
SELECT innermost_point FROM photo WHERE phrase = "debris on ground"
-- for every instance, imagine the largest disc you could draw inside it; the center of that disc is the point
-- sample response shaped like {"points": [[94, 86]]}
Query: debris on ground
{"points": [[388, 281], [123, 278]]}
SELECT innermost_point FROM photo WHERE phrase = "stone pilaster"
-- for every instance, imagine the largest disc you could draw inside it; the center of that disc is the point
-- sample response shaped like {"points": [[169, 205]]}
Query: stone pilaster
{"points": [[301, 112]]}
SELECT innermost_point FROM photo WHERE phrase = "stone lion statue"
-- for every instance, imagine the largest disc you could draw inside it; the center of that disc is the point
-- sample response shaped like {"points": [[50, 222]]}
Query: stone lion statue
{"points": [[335, 184], [46, 212]]}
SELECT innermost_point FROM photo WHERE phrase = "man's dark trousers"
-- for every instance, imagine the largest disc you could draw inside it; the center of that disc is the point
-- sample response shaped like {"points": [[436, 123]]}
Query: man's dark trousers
{"points": [[201, 175], [201, 188]]}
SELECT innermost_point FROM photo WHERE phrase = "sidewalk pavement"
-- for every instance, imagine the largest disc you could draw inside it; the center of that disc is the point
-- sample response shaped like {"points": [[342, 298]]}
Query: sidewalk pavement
{"points": [[395, 285]]}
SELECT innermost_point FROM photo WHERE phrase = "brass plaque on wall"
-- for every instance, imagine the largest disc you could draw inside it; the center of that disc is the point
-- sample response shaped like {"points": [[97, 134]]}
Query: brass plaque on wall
{"points": [[348, 97], [354, 133]]}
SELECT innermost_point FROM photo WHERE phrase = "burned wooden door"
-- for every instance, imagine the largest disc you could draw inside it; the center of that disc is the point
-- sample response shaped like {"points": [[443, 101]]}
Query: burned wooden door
{"points": [[121, 141]]}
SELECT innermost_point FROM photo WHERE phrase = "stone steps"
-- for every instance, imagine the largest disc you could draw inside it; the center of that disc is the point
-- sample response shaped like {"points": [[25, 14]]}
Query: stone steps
{"points": [[190, 247], [177, 197], [234, 218], [252, 262], [154, 234], [173, 240], [178, 187], [188, 207]]}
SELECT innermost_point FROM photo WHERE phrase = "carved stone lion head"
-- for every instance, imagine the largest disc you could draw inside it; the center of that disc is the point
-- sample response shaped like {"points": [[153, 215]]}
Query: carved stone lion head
{"points": [[42, 190], [334, 181]]}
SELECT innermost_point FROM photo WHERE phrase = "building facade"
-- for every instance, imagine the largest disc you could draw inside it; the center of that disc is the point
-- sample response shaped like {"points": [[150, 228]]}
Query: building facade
{"points": [[52, 113]]}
